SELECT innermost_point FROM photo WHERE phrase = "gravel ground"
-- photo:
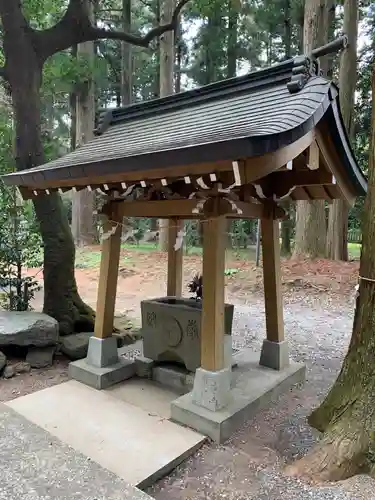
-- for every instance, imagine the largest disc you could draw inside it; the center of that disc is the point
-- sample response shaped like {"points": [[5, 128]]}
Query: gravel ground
{"points": [[250, 464]]}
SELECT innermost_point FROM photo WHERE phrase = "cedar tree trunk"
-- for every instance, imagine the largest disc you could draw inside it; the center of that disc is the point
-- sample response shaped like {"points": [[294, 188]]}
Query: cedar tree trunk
{"points": [[347, 416], [311, 230], [83, 202], [337, 238], [166, 88]]}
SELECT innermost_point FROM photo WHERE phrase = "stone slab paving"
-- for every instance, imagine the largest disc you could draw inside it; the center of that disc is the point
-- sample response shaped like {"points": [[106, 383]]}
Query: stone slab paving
{"points": [[37, 466], [138, 445]]}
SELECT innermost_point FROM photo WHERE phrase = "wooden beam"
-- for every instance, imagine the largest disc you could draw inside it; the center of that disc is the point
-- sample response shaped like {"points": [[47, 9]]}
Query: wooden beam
{"points": [[272, 280], [260, 166], [183, 209], [313, 156], [105, 307], [333, 162], [175, 259], [170, 172], [163, 209], [212, 328]]}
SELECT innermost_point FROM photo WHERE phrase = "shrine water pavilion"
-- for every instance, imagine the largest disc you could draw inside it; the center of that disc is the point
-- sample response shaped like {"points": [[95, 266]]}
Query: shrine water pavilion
{"points": [[232, 149]]}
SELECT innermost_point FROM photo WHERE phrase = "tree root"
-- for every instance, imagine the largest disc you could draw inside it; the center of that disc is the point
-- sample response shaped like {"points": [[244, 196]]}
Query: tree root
{"points": [[85, 316], [339, 456]]}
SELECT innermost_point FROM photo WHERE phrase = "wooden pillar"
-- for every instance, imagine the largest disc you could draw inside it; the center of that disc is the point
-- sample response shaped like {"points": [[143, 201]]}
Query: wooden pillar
{"points": [[175, 258], [212, 328], [105, 308], [272, 280]]}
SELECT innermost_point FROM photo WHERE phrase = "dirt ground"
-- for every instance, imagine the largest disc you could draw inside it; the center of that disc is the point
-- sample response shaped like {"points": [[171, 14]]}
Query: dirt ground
{"points": [[319, 304]]}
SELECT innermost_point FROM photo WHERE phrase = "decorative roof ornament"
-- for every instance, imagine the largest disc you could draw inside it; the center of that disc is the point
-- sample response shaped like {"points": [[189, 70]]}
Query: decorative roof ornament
{"points": [[306, 67]]}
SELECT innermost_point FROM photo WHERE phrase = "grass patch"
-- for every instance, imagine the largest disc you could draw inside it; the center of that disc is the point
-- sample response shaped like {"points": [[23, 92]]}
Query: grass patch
{"points": [[354, 250]]}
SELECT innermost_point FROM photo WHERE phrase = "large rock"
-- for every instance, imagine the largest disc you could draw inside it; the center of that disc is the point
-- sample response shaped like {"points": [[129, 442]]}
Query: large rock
{"points": [[75, 346], [3, 362], [28, 329], [40, 357]]}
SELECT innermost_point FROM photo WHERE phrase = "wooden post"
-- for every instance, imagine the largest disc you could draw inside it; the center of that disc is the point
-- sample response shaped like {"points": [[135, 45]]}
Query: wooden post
{"points": [[175, 257], [272, 280], [212, 328], [105, 308]]}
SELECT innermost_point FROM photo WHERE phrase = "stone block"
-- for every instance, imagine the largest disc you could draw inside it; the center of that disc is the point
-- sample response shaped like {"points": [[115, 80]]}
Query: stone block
{"points": [[40, 357], [143, 367], [171, 330], [212, 389], [101, 377], [253, 388], [75, 346], [275, 355], [102, 352]]}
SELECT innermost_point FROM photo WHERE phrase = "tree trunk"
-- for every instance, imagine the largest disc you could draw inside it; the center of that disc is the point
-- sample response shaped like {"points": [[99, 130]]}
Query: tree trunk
{"points": [[61, 299], [347, 416], [287, 30], [311, 230], [166, 88], [126, 57], [83, 207], [337, 240], [178, 63], [232, 38], [286, 225]]}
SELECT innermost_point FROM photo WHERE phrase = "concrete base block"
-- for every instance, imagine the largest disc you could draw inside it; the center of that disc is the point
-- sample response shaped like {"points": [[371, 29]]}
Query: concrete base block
{"points": [[101, 378], [102, 352], [143, 367], [275, 355], [253, 388], [212, 389]]}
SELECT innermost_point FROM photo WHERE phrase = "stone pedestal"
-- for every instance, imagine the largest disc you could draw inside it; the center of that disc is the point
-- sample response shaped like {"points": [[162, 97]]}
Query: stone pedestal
{"points": [[253, 388], [171, 330], [275, 355], [212, 389], [102, 367]]}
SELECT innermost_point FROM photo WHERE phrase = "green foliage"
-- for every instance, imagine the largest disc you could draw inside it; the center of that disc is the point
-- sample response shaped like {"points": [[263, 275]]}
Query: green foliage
{"points": [[20, 245]]}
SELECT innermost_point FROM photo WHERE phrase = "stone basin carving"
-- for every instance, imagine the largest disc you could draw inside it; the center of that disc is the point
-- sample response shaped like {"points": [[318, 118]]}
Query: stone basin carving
{"points": [[171, 329]]}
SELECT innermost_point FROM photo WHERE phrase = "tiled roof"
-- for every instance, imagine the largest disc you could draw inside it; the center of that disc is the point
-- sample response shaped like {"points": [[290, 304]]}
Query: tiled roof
{"points": [[242, 117]]}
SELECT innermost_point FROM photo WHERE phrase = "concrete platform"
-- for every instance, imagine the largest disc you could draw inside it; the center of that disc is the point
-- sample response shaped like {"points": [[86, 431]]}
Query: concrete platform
{"points": [[253, 387], [139, 445], [35, 465], [145, 394]]}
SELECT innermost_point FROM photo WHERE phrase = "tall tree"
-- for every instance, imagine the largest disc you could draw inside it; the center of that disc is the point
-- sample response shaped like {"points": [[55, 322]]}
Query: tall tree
{"points": [[347, 416], [337, 238], [83, 202], [26, 50], [166, 87], [126, 56], [310, 238], [286, 225], [232, 38]]}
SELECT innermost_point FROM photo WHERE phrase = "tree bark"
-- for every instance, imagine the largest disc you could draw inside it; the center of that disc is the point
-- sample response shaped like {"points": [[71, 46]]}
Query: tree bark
{"points": [[347, 416], [126, 57], [286, 225], [24, 72], [166, 87], [311, 226], [337, 239], [232, 38], [83, 202]]}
